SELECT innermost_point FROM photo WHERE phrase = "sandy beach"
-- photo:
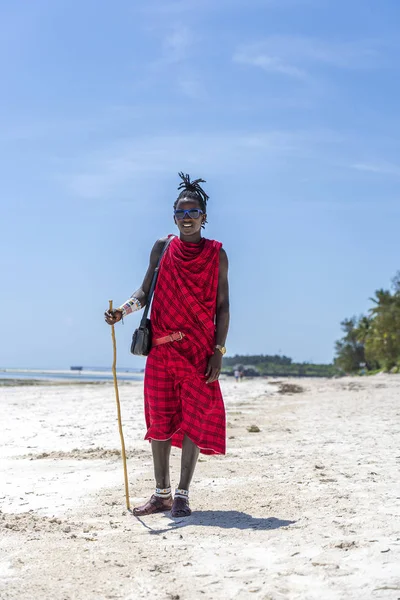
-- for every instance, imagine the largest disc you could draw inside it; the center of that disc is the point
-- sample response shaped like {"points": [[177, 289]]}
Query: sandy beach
{"points": [[305, 508]]}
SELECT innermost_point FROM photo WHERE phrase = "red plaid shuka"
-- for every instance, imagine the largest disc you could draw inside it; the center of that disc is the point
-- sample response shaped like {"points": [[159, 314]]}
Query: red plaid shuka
{"points": [[178, 400]]}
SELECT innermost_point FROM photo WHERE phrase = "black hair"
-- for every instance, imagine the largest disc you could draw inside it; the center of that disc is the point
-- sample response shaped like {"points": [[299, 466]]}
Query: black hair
{"points": [[192, 190]]}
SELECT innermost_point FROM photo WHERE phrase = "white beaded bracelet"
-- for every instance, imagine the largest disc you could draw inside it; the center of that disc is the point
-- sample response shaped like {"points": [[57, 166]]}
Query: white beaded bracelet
{"points": [[130, 306]]}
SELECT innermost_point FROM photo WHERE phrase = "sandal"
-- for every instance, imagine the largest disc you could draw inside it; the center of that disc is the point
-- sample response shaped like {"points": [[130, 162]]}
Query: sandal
{"points": [[154, 505], [180, 507]]}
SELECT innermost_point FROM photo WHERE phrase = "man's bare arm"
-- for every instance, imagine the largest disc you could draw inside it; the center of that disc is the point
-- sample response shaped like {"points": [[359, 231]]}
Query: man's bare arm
{"points": [[141, 294], [222, 317], [143, 291]]}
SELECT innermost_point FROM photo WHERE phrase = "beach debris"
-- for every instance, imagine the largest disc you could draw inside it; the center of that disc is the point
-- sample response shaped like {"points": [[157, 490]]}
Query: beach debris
{"points": [[346, 545], [290, 388], [352, 387], [327, 565], [156, 568], [32, 522], [84, 454], [253, 429], [319, 466], [50, 382]]}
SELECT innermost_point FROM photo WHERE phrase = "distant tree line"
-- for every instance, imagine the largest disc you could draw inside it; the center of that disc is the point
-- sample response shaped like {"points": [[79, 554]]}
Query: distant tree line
{"points": [[372, 342], [276, 365], [257, 359]]}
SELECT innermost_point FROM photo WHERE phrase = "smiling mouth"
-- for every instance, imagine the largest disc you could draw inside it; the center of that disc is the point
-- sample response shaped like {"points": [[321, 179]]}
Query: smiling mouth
{"points": [[187, 225]]}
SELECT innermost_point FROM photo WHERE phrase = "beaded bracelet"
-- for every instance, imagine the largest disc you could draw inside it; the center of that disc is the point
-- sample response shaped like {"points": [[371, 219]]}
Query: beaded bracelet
{"points": [[131, 305]]}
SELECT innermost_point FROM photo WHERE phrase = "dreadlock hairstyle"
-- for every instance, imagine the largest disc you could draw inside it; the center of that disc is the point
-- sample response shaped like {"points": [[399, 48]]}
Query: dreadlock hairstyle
{"points": [[192, 190]]}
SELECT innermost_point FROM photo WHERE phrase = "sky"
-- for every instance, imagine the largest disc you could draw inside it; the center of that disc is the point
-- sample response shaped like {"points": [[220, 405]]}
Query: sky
{"points": [[289, 110]]}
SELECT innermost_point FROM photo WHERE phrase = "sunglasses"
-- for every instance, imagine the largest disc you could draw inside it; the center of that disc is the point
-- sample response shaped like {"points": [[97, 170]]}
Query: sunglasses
{"points": [[192, 213]]}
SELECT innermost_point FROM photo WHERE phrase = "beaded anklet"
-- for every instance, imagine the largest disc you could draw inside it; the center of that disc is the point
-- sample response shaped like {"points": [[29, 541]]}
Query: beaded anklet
{"points": [[180, 493], [163, 492]]}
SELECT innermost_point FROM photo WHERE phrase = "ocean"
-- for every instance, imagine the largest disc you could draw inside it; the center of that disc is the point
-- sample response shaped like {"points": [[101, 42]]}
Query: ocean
{"points": [[89, 374]]}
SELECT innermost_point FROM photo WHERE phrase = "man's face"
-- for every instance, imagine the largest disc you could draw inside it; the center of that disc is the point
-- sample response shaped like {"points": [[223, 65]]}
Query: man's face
{"points": [[189, 223]]}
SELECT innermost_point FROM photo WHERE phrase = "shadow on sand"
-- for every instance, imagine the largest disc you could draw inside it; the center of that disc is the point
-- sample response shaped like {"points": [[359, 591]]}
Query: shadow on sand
{"points": [[225, 519]]}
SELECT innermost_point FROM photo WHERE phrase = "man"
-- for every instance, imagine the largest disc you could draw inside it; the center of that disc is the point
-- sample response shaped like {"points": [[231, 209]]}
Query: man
{"points": [[189, 321]]}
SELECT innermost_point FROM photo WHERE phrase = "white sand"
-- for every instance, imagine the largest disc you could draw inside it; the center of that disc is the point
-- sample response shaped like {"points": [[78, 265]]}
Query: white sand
{"points": [[308, 508]]}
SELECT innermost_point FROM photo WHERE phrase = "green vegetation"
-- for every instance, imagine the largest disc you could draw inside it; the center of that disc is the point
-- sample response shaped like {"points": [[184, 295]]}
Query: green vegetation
{"points": [[372, 342], [277, 366], [51, 382]]}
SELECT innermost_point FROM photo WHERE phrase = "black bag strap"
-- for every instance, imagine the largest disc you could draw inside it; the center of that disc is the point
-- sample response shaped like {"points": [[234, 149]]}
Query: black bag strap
{"points": [[153, 284]]}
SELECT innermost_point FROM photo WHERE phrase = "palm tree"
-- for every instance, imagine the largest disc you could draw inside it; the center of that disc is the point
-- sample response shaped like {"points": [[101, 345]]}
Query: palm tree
{"points": [[383, 339], [349, 350]]}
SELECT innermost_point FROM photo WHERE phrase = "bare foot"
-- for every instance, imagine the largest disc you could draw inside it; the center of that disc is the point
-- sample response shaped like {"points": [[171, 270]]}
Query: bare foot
{"points": [[180, 507], [154, 505]]}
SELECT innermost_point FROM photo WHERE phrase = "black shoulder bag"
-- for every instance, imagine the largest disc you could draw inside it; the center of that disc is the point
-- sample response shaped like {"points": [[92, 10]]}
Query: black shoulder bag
{"points": [[141, 339]]}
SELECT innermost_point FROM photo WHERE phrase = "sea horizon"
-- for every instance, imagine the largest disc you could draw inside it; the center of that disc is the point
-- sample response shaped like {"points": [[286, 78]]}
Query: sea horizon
{"points": [[81, 374]]}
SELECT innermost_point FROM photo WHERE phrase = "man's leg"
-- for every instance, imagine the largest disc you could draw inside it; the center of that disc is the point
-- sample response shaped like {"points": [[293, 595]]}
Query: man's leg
{"points": [[190, 454], [161, 453], [161, 500]]}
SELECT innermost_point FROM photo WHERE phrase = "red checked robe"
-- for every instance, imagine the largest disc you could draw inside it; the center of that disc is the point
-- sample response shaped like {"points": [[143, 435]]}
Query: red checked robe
{"points": [[178, 400]]}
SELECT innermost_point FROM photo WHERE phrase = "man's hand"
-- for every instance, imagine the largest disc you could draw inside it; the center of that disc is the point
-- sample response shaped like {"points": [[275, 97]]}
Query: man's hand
{"points": [[112, 316], [214, 366]]}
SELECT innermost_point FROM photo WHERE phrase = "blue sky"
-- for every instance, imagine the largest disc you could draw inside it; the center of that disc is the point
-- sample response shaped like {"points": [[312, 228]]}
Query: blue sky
{"points": [[289, 110]]}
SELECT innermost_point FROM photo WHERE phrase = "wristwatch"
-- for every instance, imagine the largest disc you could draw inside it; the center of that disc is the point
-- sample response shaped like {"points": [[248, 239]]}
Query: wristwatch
{"points": [[222, 349]]}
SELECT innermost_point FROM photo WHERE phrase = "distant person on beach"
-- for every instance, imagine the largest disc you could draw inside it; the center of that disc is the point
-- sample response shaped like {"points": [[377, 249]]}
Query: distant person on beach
{"points": [[189, 320], [236, 374]]}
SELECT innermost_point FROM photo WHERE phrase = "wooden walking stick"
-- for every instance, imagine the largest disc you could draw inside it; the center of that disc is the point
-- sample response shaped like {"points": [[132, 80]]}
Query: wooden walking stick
{"points": [[121, 433]]}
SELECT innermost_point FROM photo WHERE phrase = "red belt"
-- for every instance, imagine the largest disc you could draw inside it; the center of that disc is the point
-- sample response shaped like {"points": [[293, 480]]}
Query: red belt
{"points": [[173, 337]]}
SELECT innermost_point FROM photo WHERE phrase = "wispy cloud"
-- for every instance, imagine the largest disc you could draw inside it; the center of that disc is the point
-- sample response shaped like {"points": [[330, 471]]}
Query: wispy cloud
{"points": [[124, 163], [177, 44], [382, 168], [113, 170], [184, 7], [380, 204], [177, 48], [191, 87], [296, 56], [269, 63]]}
